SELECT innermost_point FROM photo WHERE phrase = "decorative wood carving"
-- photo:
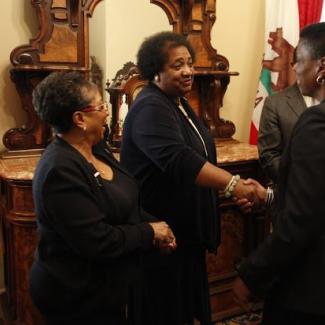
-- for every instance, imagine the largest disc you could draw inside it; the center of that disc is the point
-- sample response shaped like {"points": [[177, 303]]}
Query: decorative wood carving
{"points": [[125, 83], [194, 19], [96, 74], [21, 240], [34, 134], [62, 41], [240, 234], [61, 44]]}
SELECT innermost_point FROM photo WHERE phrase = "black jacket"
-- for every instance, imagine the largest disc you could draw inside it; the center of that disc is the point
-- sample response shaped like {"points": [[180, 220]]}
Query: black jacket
{"points": [[165, 155], [290, 265], [85, 245]]}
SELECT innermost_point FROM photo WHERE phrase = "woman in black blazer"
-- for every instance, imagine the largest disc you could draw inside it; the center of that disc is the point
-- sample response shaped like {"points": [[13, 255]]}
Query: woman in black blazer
{"points": [[289, 266], [91, 228]]}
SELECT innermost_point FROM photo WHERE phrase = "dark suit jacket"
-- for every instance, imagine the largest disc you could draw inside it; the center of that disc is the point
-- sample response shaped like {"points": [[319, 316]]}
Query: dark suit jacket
{"points": [[279, 115], [290, 265], [85, 245]]}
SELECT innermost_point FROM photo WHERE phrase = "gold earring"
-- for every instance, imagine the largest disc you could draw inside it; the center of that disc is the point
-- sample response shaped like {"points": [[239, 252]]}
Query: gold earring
{"points": [[320, 80], [84, 128], [156, 77]]}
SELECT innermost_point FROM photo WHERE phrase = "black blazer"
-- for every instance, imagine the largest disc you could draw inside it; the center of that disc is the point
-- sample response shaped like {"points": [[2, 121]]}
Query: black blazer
{"points": [[290, 265], [163, 152], [80, 246]]}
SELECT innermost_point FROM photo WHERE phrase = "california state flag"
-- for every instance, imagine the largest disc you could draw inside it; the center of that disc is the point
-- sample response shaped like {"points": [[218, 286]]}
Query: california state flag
{"points": [[281, 37]]}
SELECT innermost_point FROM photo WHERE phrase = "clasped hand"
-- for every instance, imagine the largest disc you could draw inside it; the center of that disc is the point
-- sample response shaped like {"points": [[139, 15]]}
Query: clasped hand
{"points": [[247, 193], [164, 238]]}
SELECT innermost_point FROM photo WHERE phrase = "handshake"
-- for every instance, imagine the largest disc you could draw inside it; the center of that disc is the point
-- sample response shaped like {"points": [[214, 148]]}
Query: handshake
{"points": [[250, 192], [164, 238], [246, 193]]}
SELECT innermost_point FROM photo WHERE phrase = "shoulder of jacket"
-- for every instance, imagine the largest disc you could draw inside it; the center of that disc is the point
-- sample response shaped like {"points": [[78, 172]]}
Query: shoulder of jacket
{"points": [[57, 156]]}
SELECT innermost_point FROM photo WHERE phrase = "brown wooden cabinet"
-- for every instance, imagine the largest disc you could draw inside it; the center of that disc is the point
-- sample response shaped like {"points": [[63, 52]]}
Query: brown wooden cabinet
{"points": [[19, 229], [240, 233]]}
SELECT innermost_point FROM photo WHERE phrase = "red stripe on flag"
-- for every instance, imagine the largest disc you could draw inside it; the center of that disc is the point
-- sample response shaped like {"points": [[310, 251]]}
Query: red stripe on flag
{"points": [[253, 134], [309, 11]]}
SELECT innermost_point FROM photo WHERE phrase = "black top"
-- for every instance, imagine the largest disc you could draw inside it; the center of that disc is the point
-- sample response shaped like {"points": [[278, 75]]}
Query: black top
{"points": [[90, 230], [115, 191], [165, 154]]}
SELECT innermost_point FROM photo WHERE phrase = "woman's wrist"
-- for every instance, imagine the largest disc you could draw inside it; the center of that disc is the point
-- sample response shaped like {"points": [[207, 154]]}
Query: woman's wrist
{"points": [[230, 187]]}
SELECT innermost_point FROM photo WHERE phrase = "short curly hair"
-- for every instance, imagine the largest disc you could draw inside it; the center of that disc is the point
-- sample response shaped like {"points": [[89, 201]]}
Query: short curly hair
{"points": [[313, 36], [59, 95], [153, 52]]}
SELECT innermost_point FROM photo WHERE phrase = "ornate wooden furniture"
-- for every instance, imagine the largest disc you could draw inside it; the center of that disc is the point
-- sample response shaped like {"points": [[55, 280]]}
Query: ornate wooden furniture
{"points": [[122, 90], [62, 44], [19, 228], [240, 234]]}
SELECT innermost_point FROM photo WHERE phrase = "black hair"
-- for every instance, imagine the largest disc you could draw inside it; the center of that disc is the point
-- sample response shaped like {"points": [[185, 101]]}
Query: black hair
{"points": [[59, 95], [153, 52], [313, 36]]}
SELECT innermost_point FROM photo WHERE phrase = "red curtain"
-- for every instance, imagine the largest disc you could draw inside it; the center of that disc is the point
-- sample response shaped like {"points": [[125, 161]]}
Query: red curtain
{"points": [[309, 12]]}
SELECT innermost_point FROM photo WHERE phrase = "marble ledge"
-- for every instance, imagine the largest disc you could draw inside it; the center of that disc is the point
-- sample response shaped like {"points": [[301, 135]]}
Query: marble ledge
{"points": [[18, 168], [230, 151], [233, 151]]}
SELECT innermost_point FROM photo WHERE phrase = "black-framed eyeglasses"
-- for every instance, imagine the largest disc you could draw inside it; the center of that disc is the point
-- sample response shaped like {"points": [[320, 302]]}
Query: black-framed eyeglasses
{"points": [[103, 107]]}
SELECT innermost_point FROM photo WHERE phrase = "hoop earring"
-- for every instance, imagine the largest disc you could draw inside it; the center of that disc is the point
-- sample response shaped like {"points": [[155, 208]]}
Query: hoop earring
{"points": [[156, 77], [320, 80]]}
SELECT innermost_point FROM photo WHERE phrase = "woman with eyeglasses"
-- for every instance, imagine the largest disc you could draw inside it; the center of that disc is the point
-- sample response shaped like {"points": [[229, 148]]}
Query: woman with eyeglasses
{"points": [[91, 229]]}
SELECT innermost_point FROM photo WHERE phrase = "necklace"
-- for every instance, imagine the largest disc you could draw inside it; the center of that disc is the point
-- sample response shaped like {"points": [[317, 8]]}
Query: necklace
{"points": [[180, 106], [99, 166]]}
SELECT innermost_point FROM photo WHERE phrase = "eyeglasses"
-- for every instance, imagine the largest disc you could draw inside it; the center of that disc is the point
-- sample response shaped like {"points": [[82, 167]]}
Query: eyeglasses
{"points": [[103, 107]]}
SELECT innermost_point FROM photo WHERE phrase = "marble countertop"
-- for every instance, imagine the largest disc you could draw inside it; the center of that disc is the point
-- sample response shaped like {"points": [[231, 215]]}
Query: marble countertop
{"points": [[18, 168], [22, 168], [232, 151]]}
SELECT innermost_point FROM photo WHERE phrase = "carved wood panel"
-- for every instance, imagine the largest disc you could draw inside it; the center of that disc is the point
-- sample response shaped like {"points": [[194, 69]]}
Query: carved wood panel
{"points": [[21, 240], [240, 235], [62, 40], [61, 44]]}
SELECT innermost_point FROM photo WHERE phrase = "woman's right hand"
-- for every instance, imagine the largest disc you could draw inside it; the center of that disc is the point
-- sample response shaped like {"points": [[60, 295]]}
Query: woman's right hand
{"points": [[251, 190], [163, 236]]}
